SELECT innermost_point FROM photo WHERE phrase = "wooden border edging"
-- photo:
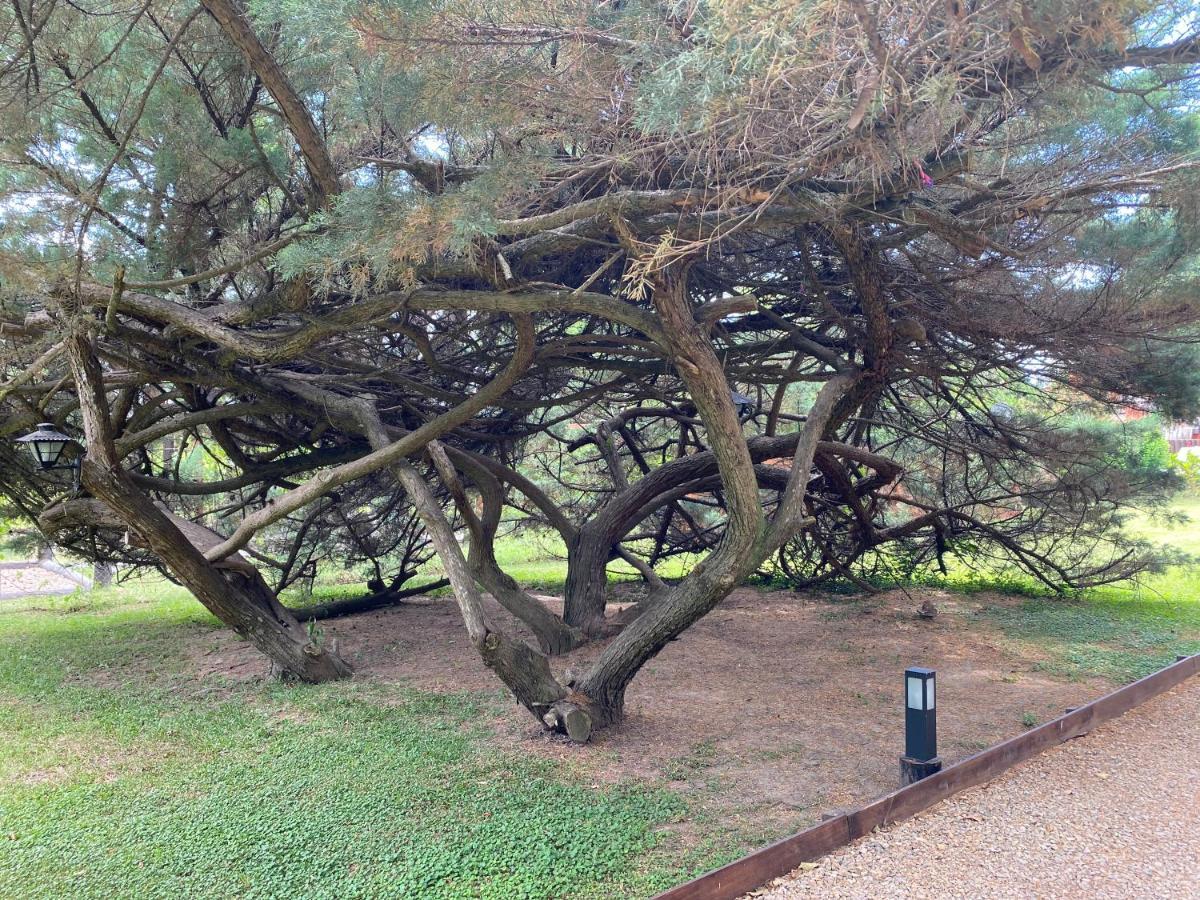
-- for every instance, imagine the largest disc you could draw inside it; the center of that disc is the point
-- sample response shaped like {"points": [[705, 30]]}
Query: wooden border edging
{"points": [[749, 872]]}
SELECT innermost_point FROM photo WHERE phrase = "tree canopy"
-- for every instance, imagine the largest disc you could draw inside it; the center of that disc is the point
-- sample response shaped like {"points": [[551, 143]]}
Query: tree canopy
{"points": [[818, 285]]}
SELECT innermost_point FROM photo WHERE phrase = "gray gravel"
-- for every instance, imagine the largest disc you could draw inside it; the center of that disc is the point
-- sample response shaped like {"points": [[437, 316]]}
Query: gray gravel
{"points": [[1114, 814], [29, 579]]}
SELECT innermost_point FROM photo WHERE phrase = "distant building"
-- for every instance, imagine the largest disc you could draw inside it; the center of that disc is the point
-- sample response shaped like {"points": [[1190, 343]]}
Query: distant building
{"points": [[1184, 437]]}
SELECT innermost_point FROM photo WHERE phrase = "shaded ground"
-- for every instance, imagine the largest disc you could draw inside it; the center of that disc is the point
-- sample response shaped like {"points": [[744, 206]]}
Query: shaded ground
{"points": [[1113, 814], [769, 711]]}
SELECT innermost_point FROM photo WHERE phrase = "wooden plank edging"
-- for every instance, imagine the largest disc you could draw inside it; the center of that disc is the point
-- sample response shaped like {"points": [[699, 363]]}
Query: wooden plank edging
{"points": [[752, 871]]}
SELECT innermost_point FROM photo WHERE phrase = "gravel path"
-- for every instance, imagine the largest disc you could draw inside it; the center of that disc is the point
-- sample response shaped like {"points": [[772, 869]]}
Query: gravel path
{"points": [[30, 579], [1114, 814]]}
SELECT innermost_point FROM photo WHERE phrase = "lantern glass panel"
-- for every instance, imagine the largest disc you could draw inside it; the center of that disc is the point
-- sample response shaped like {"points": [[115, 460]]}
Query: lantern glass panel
{"points": [[47, 452], [914, 693], [46, 444], [929, 693]]}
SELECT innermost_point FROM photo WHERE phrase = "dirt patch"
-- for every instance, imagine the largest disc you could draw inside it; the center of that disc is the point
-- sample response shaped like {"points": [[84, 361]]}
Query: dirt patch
{"points": [[774, 708], [95, 758]]}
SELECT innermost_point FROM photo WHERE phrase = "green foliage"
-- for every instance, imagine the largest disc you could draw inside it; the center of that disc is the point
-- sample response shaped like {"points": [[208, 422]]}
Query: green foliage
{"points": [[18, 539], [378, 231], [316, 633], [1135, 447], [680, 94], [1168, 373], [1188, 468]]}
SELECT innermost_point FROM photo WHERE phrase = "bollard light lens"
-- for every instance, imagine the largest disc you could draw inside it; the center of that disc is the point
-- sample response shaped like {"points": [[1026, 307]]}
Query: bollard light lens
{"points": [[918, 688], [914, 693]]}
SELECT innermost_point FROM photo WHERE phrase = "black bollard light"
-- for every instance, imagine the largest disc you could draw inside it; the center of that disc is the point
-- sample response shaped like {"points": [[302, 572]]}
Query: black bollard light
{"points": [[920, 759]]}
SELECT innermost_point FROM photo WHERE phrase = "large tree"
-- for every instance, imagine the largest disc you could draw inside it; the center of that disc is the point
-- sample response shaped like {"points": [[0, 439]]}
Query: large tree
{"points": [[750, 281]]}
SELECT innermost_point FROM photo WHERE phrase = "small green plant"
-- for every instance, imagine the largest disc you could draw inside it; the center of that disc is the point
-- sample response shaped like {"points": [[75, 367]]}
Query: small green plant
{"points": [[316, 633], [1029, 720], [697, 759]]}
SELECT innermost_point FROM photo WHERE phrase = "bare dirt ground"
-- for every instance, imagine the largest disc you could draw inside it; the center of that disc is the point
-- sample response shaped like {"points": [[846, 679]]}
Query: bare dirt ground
{"points": [[1115, 814], [774, 708]]}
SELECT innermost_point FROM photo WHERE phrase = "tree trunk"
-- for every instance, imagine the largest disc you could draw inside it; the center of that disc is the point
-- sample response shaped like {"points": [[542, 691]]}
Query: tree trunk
{"points": [[589, 548], [600, 693], [367, 603], [237, 596], [102, 574], [553, 635], [584, 593], [523, 670]]}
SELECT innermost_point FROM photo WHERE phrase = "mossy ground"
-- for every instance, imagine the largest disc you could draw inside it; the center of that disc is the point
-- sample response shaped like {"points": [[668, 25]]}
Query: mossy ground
{"points": [[121, 777]]}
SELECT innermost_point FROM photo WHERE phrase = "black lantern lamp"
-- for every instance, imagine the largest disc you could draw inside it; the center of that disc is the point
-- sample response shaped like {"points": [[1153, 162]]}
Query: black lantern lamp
{"points": [[920, 758], [47, 445]]}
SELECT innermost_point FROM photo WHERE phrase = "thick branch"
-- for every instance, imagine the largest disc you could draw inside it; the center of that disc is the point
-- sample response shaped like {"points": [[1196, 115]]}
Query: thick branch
{"points": [[312, 145], [324, 482]]}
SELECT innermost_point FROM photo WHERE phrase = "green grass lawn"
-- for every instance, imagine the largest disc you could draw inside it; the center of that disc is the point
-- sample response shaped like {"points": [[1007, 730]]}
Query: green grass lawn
{"points": [[121, 777], [1121, 631]]}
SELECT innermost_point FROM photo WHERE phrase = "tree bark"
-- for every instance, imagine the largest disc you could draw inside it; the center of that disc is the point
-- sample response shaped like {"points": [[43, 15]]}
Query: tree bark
{"points": [[312, 146], [589, 548], [698, 366], [553, 635], [584, 592], [525, 671], [366, 603], [102, 574], [522, 669]]}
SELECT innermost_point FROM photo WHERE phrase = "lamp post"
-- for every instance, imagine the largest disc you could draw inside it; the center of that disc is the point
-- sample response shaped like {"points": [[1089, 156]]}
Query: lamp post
{"points": [[920, 759], [47, 445]]}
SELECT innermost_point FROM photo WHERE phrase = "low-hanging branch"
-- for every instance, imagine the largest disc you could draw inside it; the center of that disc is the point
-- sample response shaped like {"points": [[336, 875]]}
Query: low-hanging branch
{"points": [[413, 442]]}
